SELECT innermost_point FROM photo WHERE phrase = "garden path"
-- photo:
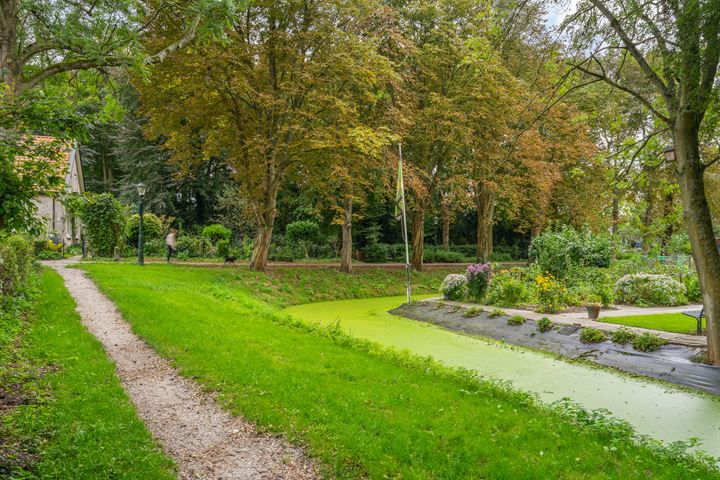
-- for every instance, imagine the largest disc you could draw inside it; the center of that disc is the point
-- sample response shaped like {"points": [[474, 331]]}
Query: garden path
{"points": [[204, 440], [580, 318]]}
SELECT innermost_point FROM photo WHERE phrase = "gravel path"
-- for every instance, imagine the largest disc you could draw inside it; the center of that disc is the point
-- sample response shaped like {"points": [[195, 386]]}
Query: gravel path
{"points": [[205, 441]]}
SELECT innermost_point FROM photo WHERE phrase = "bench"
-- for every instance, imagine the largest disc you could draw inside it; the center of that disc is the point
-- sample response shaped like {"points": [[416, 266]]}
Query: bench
{"points": [[697, 315]]}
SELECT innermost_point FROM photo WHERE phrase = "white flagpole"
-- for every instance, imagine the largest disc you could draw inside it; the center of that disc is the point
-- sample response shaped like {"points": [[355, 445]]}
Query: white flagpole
{"points": [[404, 225]]}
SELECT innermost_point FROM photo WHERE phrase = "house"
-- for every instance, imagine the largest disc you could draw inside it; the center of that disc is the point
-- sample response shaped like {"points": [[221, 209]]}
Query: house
{"points": [[60, 226]]}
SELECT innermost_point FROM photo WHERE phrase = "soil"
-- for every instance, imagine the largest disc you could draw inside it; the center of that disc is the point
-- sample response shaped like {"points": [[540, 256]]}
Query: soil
{"points": [[672, 363], [204, 440]]}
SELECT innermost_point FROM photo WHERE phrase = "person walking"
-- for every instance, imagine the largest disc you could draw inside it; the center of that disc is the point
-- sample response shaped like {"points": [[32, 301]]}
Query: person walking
{"points": [[170, 242]]}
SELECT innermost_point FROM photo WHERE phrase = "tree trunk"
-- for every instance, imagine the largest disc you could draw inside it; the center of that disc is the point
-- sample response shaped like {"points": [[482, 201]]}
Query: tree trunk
{"points": [[485, 209], [668, 213], [615, 213], [446, 227], [699, 224], [265, 224], [648, 218], [418, 238], [347, 243]]}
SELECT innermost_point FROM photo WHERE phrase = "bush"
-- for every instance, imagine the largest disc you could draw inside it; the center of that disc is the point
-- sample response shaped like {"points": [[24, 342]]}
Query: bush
{"points": [[648, 342], [285, 253], [592, 335], [104, 222], [155, 247], [454, 287], [439, 255], [478, 279], [152, 228], [622, 336], [551, 294], [544, 324], [650, 289], [692, 287], [16, 262], [558, 251], [506, 290], [216, 232], [516, 320], [223, 248], [302, 232], [189, 246]]}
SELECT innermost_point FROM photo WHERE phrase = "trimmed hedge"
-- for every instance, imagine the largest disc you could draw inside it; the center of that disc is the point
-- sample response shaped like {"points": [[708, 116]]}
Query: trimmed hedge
{"points": [[16, 262]]}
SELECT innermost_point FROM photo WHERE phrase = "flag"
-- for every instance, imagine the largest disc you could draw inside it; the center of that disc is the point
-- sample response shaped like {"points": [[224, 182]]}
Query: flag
{"points": [[400, 194]]}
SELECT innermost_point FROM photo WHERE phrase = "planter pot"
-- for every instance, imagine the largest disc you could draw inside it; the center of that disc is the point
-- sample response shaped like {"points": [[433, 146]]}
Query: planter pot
{"points": [[593, 312]]}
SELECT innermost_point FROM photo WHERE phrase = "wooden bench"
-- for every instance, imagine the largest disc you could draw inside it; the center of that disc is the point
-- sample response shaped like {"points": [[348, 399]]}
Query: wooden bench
{"points": [[698, 316]]}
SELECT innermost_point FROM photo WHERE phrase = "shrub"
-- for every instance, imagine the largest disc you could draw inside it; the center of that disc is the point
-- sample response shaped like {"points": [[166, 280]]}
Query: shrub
{"points": [[285, 253], [544, 324], [104, 222], [302, 232], [692, 287], [16, 261], [223, 248], [478, 277], [551, 294], [454, 286], [216, 232], [516, 320], [506, 290], [622, 336], [152, 228], [592, 335], [439, 255], [472, 312], [496, 312], [650, 289], [155, 247], [648, 342], [558, 251], [189, 246]]}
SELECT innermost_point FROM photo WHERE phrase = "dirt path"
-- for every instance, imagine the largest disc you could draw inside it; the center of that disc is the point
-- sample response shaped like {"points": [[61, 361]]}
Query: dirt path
{"points": [[204, 440]]}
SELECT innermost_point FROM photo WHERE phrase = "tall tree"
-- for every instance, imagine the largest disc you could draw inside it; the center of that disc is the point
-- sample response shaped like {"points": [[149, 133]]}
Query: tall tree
{"points": [[676, 45], [271, 97]]}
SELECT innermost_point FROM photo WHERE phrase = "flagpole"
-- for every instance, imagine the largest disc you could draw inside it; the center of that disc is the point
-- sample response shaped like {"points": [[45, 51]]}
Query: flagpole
{"points": [[404, 225]]}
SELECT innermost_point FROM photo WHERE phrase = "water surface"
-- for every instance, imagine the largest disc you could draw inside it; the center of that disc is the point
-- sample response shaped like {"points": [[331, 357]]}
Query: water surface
{"points": [[665, 413]]}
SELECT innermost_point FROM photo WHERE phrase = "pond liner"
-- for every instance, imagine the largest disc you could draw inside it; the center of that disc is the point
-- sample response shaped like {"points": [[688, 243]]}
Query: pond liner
{"points": [[672, 363]]}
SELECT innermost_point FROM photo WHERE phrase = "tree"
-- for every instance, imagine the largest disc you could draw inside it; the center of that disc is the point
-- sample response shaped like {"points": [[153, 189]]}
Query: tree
{"points": [[677, 48], [271, 98], [42, 39]]}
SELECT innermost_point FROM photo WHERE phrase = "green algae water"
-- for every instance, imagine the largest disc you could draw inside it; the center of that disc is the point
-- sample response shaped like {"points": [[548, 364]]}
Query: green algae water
{"points": [[664, 413]]}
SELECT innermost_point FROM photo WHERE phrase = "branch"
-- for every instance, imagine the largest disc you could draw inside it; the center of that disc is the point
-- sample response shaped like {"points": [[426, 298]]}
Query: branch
{"points": [[182, 43], [625, 89], [70, 66], [632, 47]]}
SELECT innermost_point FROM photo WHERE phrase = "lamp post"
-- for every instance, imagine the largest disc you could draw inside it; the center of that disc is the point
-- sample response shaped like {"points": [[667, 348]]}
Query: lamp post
{"points": [[669, 153], [141, 243]]}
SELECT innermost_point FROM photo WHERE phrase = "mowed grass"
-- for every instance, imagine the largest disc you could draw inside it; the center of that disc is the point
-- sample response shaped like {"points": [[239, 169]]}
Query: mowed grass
{"points": [[285, 286], [78, 422], [669, 322], [362, 411]]}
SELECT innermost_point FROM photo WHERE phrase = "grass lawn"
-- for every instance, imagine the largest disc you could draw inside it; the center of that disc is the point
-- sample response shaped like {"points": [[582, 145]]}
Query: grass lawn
{"points": [[670, 322], [74, 420], [361, 410]]}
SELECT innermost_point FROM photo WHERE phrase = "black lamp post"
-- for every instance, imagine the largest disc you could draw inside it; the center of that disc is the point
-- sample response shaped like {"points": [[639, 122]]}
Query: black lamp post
{"points": [[141, 242]]}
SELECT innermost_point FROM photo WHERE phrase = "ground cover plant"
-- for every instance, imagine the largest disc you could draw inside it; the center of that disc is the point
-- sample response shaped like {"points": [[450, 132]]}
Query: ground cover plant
{"points": [[516, 320], [592, 335], [544, 325], [472, 312], [362, 410], [669, 322], [65, 414], [622, 336], [648, 342]]}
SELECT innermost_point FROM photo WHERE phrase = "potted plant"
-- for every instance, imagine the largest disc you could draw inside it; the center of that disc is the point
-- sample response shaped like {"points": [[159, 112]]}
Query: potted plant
{"points": [[592, 303]]}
